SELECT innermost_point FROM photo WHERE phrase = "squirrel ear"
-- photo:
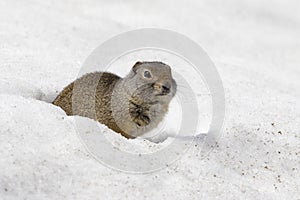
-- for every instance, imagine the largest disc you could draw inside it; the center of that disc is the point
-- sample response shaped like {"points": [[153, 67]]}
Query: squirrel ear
{"points": [[135, 66]]}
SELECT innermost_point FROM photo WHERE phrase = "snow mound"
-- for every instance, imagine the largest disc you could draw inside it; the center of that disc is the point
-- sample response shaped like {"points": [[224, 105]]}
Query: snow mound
{"points": [[20, 87]]}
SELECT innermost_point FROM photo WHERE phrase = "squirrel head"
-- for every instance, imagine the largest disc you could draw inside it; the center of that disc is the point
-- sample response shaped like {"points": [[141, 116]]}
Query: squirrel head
{"points": [[151, 81]]}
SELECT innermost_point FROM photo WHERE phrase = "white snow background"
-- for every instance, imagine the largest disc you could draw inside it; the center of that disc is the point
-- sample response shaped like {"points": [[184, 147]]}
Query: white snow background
{"points": [[255, 46]]}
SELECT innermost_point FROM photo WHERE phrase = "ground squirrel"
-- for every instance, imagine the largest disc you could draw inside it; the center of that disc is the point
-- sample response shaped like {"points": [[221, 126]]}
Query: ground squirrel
{"points": [[131, 105]]}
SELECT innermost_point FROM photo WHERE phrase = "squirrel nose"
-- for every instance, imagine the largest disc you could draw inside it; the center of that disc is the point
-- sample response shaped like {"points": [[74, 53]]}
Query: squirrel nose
{"points": [[163, 87], [166, 87]]}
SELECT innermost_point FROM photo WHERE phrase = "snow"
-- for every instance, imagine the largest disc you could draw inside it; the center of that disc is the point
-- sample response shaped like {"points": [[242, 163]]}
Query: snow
{"points": [[256, 48]]}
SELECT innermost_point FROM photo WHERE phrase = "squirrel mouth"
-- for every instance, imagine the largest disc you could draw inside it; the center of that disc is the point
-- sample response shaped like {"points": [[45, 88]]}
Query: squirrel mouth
{"points": [[163, 93]]}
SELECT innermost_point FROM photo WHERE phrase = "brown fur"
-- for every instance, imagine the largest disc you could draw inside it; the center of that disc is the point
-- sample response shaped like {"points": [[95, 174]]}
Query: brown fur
{"points": [[130, 103]]}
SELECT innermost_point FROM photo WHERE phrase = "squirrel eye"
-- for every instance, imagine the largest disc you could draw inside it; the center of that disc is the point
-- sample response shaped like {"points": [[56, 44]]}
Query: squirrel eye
{"points": [[147, 74]]}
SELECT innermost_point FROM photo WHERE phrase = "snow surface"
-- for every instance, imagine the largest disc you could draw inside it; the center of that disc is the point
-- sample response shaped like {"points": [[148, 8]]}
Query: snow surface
{"points": [[255, 45]]}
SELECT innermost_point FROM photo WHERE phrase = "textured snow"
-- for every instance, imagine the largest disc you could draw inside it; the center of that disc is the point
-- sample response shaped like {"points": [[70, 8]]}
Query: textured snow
{"points": [[255, 45]]}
